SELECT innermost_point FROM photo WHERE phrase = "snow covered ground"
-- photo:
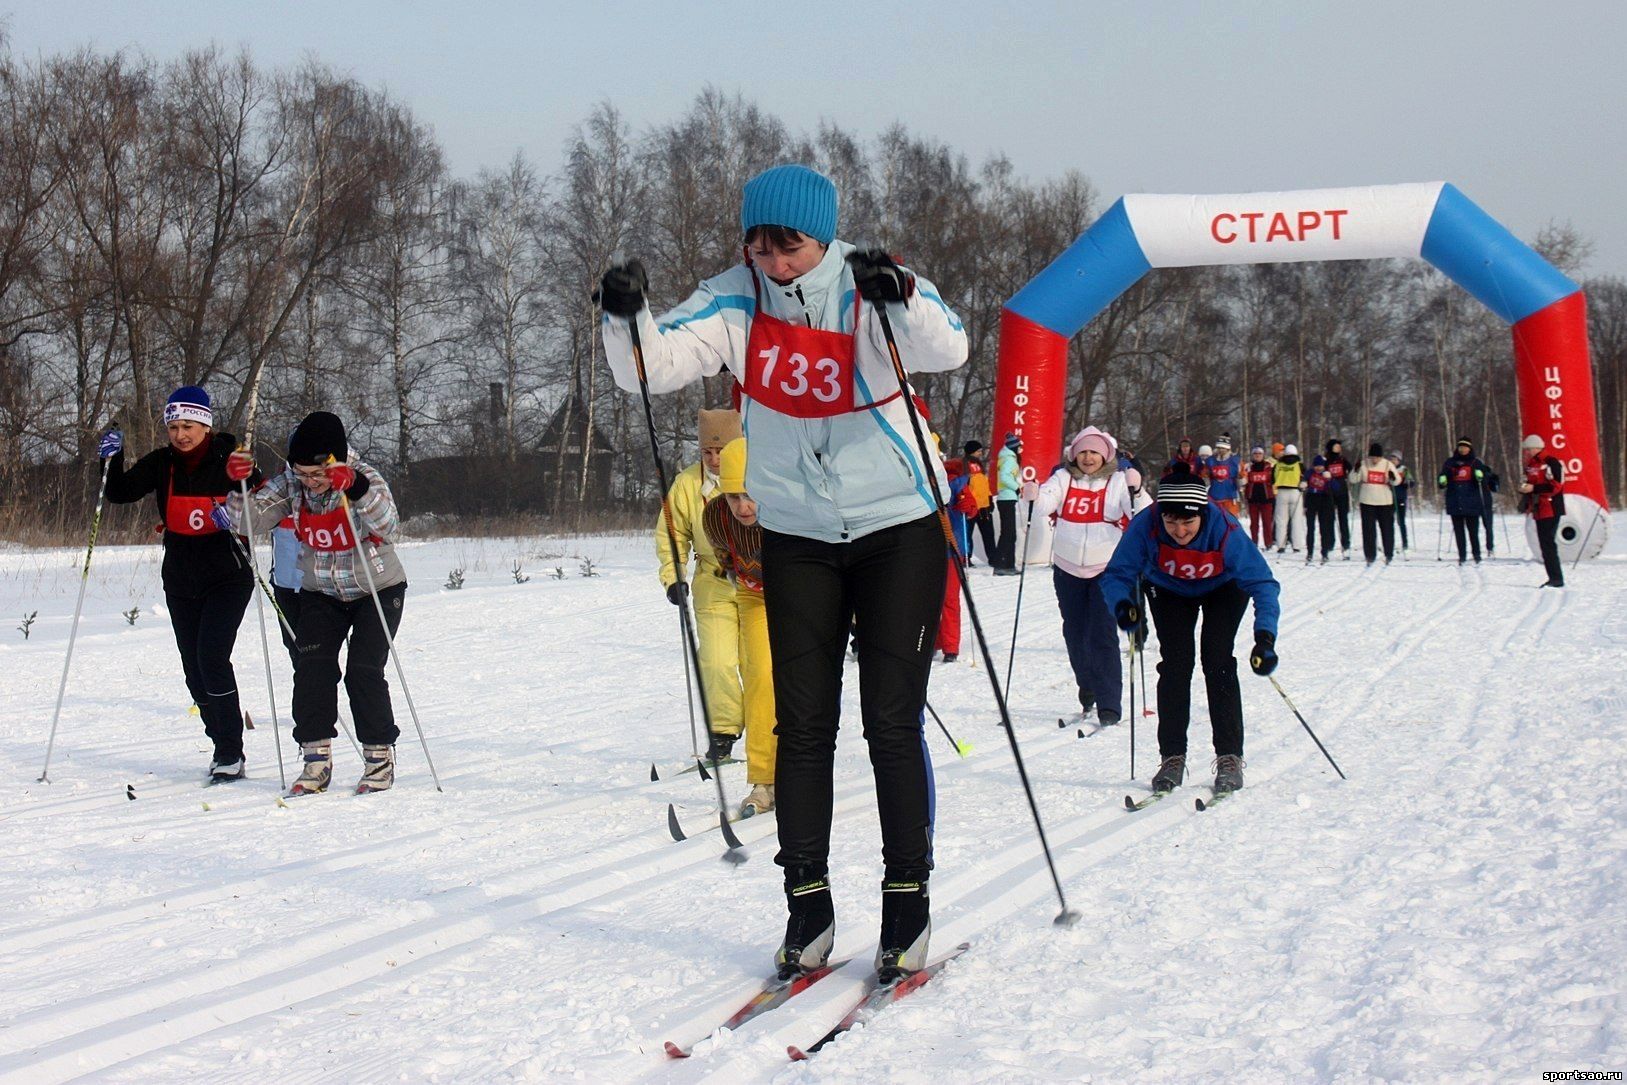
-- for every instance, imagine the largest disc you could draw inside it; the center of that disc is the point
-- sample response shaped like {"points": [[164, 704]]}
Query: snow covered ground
{"points": [[1455, 911]]}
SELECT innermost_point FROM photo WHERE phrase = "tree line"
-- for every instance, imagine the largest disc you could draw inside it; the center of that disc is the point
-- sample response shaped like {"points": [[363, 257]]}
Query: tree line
{"points": [[294, 240]]}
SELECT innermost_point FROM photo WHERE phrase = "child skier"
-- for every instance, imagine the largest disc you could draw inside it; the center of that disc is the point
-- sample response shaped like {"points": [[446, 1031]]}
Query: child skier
{"points": [[849, 525], [1194, 560], [1090, 499], [334, 600], [1403, 475], [207, 583], [730, 524]]}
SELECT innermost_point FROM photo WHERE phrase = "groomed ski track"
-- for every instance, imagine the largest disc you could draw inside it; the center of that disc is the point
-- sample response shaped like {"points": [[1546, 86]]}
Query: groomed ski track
{"points": [[1452, 911]]}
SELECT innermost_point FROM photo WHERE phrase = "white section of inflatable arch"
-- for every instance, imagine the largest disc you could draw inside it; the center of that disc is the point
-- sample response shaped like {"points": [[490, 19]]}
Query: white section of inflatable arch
{"points": [[1366, 223]]}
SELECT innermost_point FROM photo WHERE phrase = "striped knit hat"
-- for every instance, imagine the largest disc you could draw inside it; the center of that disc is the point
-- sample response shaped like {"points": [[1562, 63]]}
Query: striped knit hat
{"points": [[794, 196], [1181, 493]]}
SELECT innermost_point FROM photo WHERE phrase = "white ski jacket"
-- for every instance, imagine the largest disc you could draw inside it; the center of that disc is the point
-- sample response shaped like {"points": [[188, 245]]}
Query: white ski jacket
{"points": [[834, 479], [1091, 514]]}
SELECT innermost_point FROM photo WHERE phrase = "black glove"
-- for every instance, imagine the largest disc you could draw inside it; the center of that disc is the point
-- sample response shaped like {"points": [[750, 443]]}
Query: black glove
{"points": [[676, 591], [1128, 615], [621, 289], [877, 278], [1263, 659]]}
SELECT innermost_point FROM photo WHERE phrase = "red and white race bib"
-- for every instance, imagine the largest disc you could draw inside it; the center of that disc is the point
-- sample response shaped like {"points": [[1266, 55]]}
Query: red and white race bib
{"points": [[1220, 472], [327, 531], [800, 371], [1084, 506], [1377, 478], [1337, 469], [1184, 564], [1462, 472], [186, 515]]}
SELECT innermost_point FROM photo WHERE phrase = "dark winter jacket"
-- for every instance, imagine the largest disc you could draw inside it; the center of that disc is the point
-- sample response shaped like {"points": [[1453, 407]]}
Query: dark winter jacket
{"points": [[1220, 553], [1339, 469], [1460, 477], [1404, 485], [1257, 485], [199, 558]]}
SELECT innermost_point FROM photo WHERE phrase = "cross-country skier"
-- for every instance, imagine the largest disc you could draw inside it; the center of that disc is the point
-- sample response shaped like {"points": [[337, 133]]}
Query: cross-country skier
{"points": [[1460, 476], [207, 583], [1318, 513], [1090, 498], [1376, 495], [1288, 483], [1222, 469], [962, 506], [1183, 454], [1542, 491], [730, 524], [1194, 560], [849, 526], [1338, 470], [717, 614], [334, 601], [1261, 496], [1490, 486], [1403, 474], [978, 484], [1008, 481]]}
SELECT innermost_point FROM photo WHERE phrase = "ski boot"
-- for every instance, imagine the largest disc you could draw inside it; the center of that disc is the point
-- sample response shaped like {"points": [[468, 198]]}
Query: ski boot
{"points": [[1108, 718], [1228, 773], [810, 930], [318, 771], [223, 768], [379, 773], [718, 747], [760, 800], [906, 930], [1170, 773]]}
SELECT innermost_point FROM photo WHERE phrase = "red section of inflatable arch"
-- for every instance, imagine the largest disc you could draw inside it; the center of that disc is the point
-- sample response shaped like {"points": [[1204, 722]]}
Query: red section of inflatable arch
{"points": [[1554, 375], [1031, 384]]}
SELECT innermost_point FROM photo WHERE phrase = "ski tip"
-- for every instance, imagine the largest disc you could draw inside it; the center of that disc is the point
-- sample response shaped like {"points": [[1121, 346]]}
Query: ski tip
{"points": [[1061, 723], [675, 1052], [248, 722], [1081, 732], [672, 823], [701, 765], [1199, 803], [1129, 803], [654, 776], [796, 1054]]}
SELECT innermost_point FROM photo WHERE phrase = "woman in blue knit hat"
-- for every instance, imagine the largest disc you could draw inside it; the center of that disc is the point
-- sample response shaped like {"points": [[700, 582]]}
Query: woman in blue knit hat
{"points": [[207, 583], [850, 529]]}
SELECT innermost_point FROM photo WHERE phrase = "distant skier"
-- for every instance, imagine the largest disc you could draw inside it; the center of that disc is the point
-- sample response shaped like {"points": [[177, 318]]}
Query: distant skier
{"points": [[334, 600], [1195, 560], [1222, 470], [1338, 470], [1091, 501], [962, 508], [1008, 483], [1490, 486], [849, 526], [1460, 476], [1183, 454], [1403, 474], [1288, 484], [730, 523], [1542, 495], [1376, 481], [716, 607], [1261, 496], [1318, 513], [978, 484], [207, 583]]}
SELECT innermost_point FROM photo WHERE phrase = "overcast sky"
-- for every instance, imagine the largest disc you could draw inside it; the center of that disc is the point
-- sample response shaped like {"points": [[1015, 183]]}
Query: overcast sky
{"points": [[1520, 105]]}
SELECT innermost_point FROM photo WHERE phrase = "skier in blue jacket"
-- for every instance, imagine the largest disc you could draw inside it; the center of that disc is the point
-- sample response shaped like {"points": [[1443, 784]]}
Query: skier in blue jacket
{"points": [[850, 527], [1194, 558]]}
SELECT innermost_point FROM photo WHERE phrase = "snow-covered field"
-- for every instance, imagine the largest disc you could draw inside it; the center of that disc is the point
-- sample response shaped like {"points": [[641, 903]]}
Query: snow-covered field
{"points": [[1455, 911]]}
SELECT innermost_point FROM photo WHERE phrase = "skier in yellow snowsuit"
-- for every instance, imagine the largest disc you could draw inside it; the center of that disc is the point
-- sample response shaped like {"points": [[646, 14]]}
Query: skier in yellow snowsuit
{"points": [[717, 618], [732, 529]]}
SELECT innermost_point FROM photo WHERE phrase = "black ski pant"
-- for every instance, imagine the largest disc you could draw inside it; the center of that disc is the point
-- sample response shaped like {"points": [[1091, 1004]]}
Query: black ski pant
{"points": [[1548, 543], [324, 620], [1377, 521], [889, 585], [288, 603], [985, 531], [1176, 619], [1006, 558], [1341, 506], [1401, 523], [1488, 518], [1466, 526], [205, 632], [1318, 512]]}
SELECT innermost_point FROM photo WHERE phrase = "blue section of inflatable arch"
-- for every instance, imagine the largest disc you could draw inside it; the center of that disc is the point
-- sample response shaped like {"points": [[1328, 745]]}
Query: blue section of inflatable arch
{"points": [[1092, 272], [1478, 253]]}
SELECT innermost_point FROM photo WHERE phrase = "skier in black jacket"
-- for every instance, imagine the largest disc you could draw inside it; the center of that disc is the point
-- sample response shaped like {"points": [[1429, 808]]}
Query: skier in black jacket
{"points": [[207, 583], [1461, 477], [1338, 495]]}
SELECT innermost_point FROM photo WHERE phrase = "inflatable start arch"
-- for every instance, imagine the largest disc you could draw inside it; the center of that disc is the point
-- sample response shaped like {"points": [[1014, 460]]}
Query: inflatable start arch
{"points": [[1544, 308]]}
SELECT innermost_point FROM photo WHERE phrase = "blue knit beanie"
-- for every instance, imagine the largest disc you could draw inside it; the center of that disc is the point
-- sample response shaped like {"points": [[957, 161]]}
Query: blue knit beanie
{"points": [[793, 196], [189, 403]]}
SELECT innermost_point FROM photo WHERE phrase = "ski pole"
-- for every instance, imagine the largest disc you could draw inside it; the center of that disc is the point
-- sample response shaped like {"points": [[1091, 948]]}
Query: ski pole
{"points": [[1278, 687], [73, 631], [265, 643], [389, 639], [1133, 704], [1066, 917], [1440, 530], [689, 702], [1598, 514], [961, 748], [736, 852], [1022, 575]]}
